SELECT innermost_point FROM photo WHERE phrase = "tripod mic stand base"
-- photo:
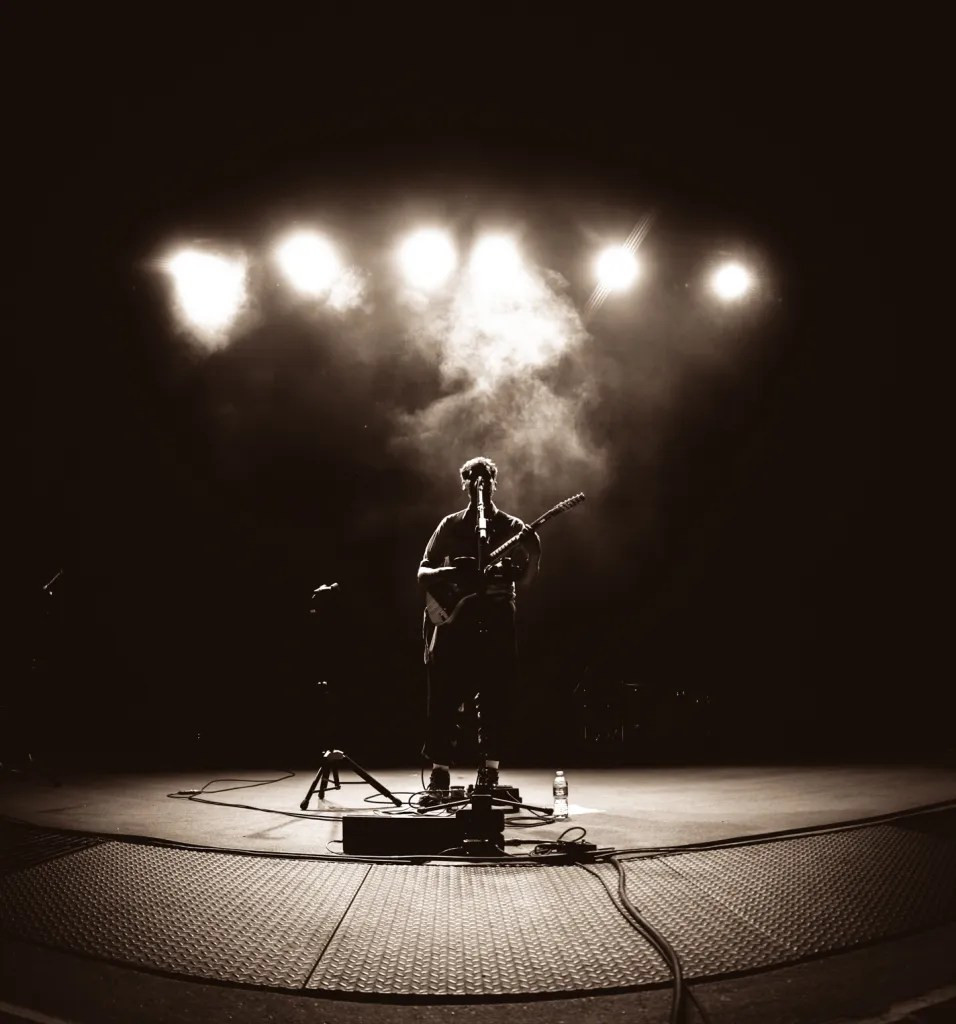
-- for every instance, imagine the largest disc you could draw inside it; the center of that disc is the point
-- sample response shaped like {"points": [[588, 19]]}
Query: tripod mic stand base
{"points": [[328, 776]]}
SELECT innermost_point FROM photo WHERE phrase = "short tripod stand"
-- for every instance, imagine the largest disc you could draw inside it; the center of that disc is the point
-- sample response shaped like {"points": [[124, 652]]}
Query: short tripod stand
{"points": [[332, 759], [329, 769]]}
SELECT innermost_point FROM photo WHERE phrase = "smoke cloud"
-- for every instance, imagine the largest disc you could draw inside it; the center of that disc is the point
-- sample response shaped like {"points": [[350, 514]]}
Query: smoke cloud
{"points": [[498, 339]]}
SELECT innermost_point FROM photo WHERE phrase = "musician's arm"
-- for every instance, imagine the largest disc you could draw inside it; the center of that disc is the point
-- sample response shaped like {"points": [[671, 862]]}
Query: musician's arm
{"points": [[431, 568], [427, 574], [528, 562]]}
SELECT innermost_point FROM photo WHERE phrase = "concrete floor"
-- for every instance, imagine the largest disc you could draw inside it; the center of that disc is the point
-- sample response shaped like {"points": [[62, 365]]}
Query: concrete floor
{"points": [[623, 808]]}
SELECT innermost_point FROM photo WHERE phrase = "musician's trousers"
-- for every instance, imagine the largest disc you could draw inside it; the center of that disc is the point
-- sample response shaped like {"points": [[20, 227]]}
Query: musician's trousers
{"points": [[467, 664]]}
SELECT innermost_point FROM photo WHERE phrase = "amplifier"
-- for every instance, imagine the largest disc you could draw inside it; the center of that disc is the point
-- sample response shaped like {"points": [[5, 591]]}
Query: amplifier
{"points": [[398, 835]]}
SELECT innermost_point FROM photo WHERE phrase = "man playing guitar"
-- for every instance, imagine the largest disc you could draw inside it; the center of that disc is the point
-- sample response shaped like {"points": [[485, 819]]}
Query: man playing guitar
{"points": [[469, 627]]}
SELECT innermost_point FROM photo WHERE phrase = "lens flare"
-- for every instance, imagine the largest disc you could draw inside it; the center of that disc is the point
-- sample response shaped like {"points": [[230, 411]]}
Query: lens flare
{"points": [[309, 262], [616, 268], [731, 281], [427, 258], [210, 290]]}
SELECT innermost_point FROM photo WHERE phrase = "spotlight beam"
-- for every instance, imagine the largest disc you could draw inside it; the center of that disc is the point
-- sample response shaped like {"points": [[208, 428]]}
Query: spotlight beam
{"points": [[210, 290], [731, 281], [308, 262], [427, 258]]}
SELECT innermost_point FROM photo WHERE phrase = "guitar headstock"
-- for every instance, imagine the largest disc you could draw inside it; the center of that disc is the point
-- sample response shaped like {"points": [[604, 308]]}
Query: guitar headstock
{"points": [[575, 499], [562, 506]]}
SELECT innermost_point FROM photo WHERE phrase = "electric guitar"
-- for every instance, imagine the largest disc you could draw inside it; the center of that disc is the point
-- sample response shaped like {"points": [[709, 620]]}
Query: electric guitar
{"points": [[443, 600]]}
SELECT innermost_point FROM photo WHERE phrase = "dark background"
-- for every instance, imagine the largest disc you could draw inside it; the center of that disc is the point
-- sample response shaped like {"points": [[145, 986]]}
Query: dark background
{"points": [[753, 584]]}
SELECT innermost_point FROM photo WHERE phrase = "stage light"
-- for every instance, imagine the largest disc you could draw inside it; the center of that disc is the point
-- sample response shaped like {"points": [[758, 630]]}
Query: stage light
{"points": [[309, 262], [731, 281], [427, 258], [495, 260], [210, 288], [616, 268]]}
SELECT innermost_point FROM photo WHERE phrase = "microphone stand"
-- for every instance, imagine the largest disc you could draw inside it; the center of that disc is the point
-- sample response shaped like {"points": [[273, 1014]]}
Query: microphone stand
{"points": [[481, 526], [481, 532], [334, 760]]}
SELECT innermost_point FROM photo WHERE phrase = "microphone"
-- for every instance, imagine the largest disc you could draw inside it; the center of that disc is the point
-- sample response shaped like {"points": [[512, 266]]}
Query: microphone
{"points": [[479, 472], [48, 587], [480, 505]]}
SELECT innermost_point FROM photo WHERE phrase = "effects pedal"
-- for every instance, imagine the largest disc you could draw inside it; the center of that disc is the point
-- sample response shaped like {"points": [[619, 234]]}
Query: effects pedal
{"points": [[501, 793]]}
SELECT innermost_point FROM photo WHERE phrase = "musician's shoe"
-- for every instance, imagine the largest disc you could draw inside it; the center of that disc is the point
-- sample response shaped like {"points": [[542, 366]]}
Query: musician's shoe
{"points": [[438, 786], [487, 780]]}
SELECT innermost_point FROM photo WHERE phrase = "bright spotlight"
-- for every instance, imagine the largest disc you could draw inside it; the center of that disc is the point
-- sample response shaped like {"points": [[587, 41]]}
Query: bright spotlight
{"points": [[617, 268], [309, 262], [495, 260], [427, 258], [210, 289], [731, 281]]}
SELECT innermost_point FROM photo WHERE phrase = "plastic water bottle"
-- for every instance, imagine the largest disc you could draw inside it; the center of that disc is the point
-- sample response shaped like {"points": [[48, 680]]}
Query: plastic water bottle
{"points": [[560, 796]]}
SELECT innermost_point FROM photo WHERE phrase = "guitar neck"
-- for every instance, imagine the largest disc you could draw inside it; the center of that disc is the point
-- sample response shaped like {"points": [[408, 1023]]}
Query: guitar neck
{"points": [[510, 543], [507, 546]]}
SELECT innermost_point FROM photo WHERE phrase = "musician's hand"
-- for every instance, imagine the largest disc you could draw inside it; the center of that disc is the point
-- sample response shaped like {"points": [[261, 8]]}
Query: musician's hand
{"points": [[505, 571], [464, 571]]}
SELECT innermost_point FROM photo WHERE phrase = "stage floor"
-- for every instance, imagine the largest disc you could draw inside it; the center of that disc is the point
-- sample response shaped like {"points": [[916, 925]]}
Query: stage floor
{"points": [[624, 808], [113, 878]]}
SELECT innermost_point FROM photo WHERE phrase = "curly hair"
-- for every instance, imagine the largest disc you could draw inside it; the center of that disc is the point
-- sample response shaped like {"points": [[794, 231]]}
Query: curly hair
{"points": [[478, 466]]}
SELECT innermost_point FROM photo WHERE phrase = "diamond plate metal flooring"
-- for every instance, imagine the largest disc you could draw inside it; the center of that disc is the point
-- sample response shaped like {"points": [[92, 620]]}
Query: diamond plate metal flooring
{"points": [[23, 845], [469, 931], [448, 930]]}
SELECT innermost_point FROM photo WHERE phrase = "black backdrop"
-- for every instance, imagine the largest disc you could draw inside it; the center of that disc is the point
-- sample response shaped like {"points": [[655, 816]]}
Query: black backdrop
{"points": [[776, 604]]}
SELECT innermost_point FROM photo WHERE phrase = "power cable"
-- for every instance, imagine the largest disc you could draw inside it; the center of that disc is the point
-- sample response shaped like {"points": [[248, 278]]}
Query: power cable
{"points": [[655, 938], [634, 853]]}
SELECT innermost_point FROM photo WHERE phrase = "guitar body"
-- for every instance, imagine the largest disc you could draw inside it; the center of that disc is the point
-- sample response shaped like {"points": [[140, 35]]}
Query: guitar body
{"points": [[442, 603], [444, 600]]}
